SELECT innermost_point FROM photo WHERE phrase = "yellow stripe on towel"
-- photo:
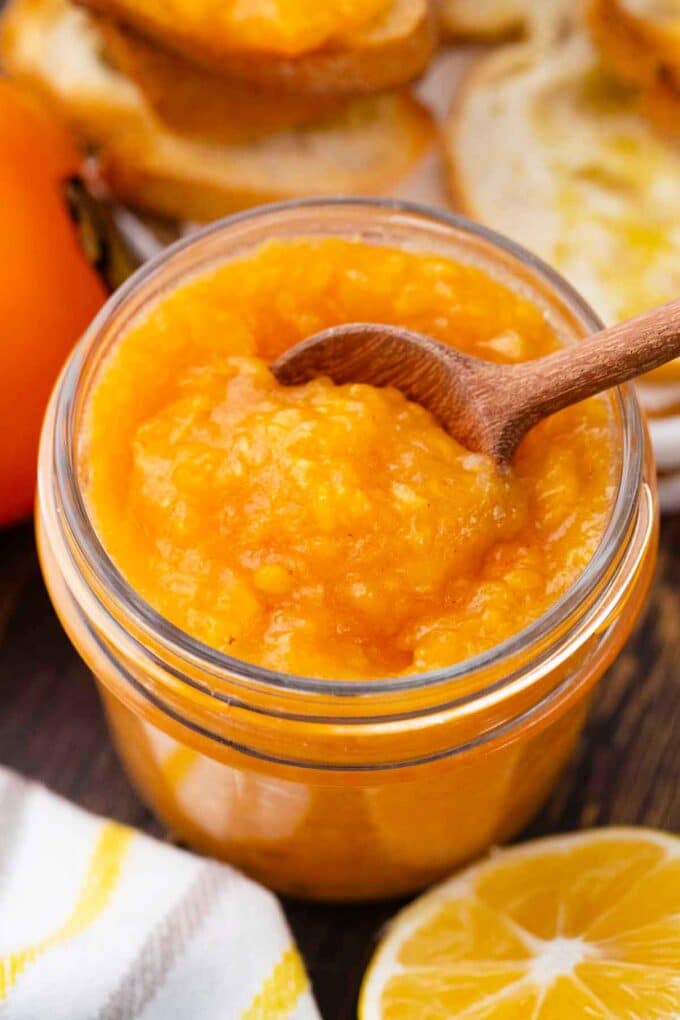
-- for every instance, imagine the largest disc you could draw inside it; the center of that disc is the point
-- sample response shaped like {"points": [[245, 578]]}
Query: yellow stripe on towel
{"points": [[280, 991], [95, 895]]}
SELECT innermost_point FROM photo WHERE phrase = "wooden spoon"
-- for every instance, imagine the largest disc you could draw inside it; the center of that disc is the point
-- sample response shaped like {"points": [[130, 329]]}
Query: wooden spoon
{"points": [[488, 408]]}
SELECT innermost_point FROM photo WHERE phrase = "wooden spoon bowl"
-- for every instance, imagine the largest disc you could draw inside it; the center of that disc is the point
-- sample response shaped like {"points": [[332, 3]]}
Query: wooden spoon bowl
{"points": [[488, 408]]}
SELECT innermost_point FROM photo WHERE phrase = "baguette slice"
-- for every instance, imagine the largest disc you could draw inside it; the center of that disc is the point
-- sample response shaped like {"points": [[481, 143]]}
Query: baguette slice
{"points": [[203, 103], [545, 147], [637, 38], [58, 49], [388, 51]]}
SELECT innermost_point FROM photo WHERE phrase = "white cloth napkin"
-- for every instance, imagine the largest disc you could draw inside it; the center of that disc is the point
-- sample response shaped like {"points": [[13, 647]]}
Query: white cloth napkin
{"points": [[99, 922]]}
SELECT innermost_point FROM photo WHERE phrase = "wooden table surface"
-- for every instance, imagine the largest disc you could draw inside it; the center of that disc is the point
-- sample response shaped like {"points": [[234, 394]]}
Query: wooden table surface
{"points": [[626, 769]]}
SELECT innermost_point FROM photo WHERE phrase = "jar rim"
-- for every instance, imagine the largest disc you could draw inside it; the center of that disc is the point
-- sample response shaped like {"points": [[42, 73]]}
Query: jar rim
{"points": [[182, 646]]}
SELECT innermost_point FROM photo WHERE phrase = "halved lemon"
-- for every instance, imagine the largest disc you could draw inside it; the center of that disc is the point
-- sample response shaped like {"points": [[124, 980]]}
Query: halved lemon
{"points": [[578, 927]]}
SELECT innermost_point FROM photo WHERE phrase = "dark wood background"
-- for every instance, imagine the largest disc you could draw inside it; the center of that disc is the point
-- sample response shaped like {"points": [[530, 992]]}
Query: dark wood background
{"points": [[626, 769]]}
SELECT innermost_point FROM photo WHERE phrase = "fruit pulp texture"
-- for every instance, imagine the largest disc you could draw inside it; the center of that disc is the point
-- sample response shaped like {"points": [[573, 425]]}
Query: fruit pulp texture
{"points": [[334, 531], [584, 925]]}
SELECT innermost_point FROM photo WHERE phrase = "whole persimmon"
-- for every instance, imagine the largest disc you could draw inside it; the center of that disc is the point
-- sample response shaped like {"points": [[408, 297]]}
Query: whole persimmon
{"points": [[48, 290]]}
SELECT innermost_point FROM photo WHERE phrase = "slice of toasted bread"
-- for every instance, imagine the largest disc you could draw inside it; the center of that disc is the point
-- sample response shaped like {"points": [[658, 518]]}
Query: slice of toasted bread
{"points": [[368, 149], [545, 147], [637, 38], [195, 101], [56, 48], [388, 51], [482, 19]]}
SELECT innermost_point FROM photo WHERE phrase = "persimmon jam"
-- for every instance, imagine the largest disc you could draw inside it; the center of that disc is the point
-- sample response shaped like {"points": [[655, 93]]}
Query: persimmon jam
{"points": [[334, 531], [283, 27]]}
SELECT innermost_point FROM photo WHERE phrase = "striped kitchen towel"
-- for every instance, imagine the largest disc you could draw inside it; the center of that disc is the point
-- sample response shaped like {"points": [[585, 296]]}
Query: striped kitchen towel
{"points": [[99, 922]]}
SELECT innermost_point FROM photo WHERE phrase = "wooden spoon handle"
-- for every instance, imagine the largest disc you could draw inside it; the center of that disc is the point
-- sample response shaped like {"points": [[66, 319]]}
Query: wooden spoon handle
{"points": [[608, 358]]}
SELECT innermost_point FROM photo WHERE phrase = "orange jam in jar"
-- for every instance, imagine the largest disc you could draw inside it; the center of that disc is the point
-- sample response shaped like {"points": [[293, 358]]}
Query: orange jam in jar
{"points": [[335, 647], [334, 531]]}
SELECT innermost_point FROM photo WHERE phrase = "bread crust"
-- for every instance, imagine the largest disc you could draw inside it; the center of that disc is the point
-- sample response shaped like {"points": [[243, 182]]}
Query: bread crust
{"points": [[204, 103], [147, 180], [374, 60], [644, 53], [634, 47], [477, 73], [661, 103]]}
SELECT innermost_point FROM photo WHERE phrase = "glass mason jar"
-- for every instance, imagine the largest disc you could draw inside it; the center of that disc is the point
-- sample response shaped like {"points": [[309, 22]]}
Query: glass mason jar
{"points": [[340, 790]]}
